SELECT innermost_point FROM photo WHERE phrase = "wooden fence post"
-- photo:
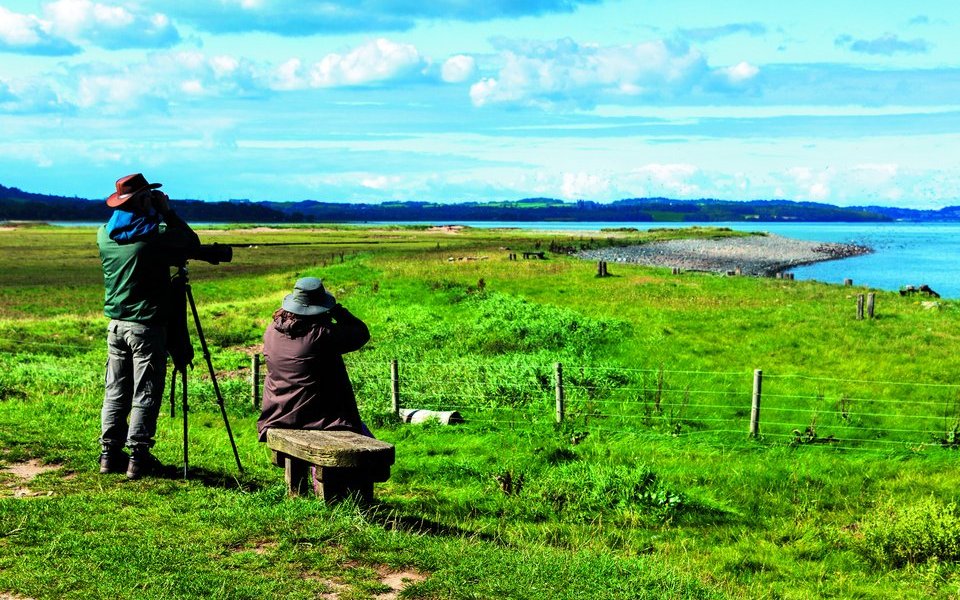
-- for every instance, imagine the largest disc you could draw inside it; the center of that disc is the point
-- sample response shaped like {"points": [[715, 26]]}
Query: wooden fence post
{"points": [[558, 379], [871, 301], [599, 268], [859, 307], [755, 406], [255, 381], [395, 385]]}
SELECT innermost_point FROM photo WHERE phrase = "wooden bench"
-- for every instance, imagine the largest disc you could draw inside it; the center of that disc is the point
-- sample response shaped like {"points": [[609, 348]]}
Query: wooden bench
{"points": [[346, 462], [539, 255]]}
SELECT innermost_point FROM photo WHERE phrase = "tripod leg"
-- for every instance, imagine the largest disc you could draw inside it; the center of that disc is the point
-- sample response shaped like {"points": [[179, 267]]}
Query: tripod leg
{"points": [[185, 411], [213, 376], [173, 394]]}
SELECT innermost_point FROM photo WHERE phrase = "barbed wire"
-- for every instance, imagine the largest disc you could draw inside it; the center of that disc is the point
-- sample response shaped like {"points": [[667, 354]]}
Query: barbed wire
{"points": [[840, 380]]}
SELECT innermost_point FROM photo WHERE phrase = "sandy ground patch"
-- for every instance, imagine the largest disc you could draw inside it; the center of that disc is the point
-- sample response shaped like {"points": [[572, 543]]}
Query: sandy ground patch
{"points": [[397, 580], [22, 473], [28, 470]]}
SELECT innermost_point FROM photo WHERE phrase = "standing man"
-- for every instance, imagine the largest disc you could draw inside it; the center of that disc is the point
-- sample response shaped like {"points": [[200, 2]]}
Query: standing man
{"points": [[137, 246]]}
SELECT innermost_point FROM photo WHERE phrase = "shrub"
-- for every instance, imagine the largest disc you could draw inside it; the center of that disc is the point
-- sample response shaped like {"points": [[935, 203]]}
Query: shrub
{"points": [[509, 324], [581, 491], [895, 535]]}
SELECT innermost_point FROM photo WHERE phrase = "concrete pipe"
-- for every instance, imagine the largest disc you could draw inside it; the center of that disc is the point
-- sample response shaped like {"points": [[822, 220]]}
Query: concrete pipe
{"points": [[419, 415]]}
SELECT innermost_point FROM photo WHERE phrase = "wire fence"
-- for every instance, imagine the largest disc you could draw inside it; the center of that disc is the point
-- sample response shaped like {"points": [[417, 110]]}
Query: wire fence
{"points": [[788, 409]]}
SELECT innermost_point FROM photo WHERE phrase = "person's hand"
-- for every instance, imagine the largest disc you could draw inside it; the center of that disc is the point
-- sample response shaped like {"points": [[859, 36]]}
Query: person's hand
{"points": [[161, 202]]}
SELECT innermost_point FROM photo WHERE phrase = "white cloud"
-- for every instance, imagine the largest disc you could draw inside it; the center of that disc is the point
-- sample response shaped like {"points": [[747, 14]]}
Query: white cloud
{"points": [[30, 35], [165, 77], [377, 61], [459, 68], [110, 26], [567, 72], [21, 30], [192, 86], [224, 65], [740, 72], [486, 89], [150, 86], [818, 191], [379, 182], [877, 171], [671, 179], [29, 96], [583, 186], [810, 184], [288, 76]]}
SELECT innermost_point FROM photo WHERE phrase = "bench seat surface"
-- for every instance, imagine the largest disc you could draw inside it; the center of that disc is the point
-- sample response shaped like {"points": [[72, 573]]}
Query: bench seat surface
{"points": [[332, 448]]}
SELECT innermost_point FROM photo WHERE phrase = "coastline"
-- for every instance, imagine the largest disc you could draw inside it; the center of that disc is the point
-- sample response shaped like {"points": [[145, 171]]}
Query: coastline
{"points": [[757, 255]]}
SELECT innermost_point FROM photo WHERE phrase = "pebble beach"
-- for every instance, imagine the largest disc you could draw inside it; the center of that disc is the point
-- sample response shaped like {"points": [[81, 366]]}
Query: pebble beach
{"points": [[759, 255]]}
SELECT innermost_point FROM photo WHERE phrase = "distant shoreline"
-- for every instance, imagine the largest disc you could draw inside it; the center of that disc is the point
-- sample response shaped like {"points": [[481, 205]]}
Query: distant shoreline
{"points": [[759, 255]]}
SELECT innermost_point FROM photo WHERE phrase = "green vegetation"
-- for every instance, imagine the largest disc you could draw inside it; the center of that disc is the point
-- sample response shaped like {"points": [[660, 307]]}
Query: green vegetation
{"points": [[649, 488]]}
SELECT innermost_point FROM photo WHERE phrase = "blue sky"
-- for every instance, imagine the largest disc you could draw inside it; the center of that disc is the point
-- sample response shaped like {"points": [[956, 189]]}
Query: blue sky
{"points": [[372, 100]]}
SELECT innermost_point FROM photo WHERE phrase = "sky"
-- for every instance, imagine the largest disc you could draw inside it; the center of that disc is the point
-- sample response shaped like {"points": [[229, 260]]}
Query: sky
{"points": [[849, 103]]}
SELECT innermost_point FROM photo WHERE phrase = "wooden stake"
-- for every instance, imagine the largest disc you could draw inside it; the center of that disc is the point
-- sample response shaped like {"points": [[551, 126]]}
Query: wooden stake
{"points": [[755, 406], [395, 385], [255, 381], [558, 379]]}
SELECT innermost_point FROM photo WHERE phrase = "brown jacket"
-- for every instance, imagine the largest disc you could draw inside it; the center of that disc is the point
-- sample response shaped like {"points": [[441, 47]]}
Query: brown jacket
{"points": [[307, 386]]}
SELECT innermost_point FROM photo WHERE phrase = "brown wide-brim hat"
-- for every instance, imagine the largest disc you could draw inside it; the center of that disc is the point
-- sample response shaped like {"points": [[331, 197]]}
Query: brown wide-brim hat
{"points": [[309, 298], [128, 187]]}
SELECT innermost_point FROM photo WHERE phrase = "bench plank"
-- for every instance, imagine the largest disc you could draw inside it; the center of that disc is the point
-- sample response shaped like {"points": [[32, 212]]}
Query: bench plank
{"points": [[332, 448], [346, 462]]}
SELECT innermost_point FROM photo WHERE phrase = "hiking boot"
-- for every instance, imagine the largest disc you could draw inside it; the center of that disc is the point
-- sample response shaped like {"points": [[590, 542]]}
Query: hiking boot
{"points": [[113, 461], [143, 464]]}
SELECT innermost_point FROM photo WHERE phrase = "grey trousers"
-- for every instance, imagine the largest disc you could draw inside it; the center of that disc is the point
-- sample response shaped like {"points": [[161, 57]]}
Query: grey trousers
{"points": [[136, 371]]}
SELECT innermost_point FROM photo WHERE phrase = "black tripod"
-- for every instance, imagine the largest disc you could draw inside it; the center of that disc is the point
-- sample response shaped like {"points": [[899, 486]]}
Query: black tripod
{"points": [[181, 352]]}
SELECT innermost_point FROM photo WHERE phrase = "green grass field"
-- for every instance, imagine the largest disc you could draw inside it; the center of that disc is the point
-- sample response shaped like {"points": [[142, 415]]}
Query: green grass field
{"points": [[649, 488]]}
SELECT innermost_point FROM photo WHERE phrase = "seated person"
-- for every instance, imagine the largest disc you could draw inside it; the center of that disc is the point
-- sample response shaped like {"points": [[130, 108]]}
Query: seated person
{"points": [[307, 386]]}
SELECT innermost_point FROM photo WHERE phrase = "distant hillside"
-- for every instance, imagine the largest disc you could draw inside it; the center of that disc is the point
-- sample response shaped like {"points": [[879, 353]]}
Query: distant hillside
{"points": [[549, 209], [16, 204], [949, 213]]}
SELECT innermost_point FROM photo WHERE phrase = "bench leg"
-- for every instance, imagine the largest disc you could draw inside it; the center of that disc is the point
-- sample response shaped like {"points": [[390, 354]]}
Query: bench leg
{"points": [[297, 475], [339, 483]]}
